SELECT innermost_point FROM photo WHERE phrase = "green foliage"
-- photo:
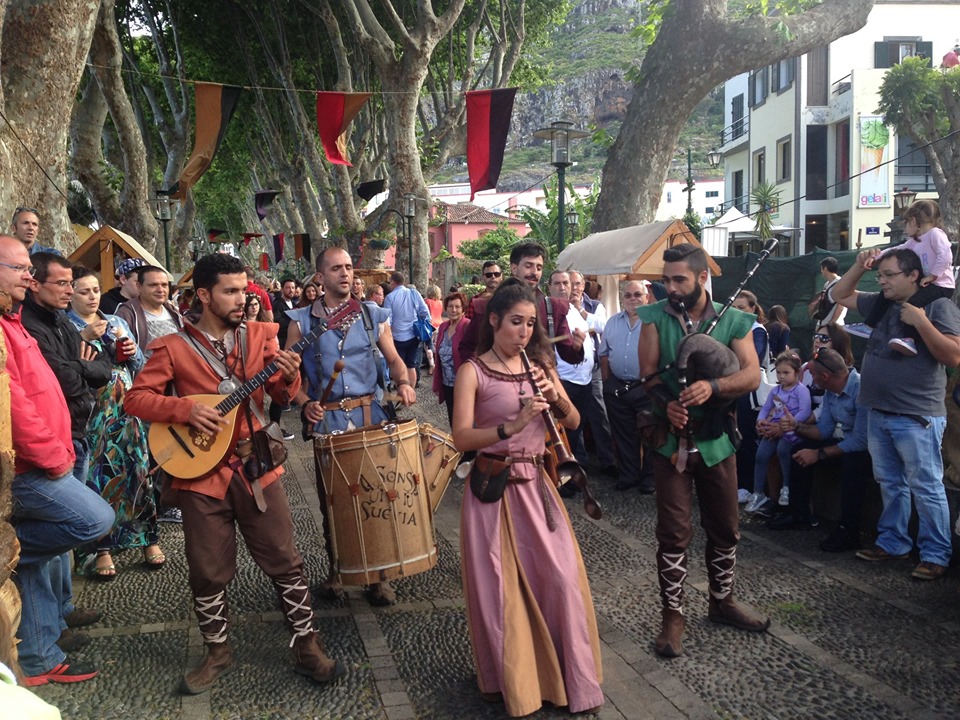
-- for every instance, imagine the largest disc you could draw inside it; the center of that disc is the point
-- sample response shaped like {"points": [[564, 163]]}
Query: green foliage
{"points": [[912, 99], [493, 245], [694, 222], [767, 199]]}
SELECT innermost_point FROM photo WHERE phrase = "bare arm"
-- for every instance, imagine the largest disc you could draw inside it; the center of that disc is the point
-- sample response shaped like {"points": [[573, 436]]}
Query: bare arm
{"points": [[845, 291], [398, 370]]}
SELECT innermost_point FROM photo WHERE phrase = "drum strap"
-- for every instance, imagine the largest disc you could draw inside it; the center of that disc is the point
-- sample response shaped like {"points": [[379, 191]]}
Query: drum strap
{"points": [[551, 330]]}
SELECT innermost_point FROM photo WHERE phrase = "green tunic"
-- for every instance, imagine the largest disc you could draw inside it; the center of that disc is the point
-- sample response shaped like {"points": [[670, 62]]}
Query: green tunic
{"points": [[734, 324]]}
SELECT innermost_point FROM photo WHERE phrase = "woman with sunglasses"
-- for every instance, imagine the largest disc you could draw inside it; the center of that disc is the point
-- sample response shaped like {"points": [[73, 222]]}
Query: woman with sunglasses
{"points": [[834, 337]]}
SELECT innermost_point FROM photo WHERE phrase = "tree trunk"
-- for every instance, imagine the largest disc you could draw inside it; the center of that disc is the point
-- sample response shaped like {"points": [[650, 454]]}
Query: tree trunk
{"points": [[87, 159], [135, 217], [698, 47], [45, 44]]}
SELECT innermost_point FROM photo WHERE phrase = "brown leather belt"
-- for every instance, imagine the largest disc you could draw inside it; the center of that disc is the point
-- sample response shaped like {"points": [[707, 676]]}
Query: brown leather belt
{"points": [[349, 403]]}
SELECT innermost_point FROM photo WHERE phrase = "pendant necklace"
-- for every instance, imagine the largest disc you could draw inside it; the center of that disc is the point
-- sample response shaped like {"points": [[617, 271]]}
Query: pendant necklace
{"points": [[519, 383]]}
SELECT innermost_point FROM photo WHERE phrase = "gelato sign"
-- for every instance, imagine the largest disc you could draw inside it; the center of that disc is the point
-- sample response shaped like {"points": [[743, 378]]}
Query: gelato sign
{"points": [[874, 172]]}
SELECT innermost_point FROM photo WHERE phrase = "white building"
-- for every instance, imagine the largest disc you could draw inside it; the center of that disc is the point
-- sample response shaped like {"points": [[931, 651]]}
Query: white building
{"points": [[707, 199], [810, 125]]}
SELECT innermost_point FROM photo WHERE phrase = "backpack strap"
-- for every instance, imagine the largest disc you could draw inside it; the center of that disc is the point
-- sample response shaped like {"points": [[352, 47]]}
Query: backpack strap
{"points": [[374, 348]]}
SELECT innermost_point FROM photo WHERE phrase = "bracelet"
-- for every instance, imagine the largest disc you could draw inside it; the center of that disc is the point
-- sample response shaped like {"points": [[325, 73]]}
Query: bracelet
{"points": [[502, 432], [714, 387], [560, 408]]}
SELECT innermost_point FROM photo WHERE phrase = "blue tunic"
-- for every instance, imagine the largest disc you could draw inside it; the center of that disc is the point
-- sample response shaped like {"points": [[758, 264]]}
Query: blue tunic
{"points": [[359, 375]]}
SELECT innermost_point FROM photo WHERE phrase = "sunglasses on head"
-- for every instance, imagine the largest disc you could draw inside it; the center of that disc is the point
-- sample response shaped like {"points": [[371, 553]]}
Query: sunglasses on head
{"points": [[822, 337], [23, 209], [492, 274]]}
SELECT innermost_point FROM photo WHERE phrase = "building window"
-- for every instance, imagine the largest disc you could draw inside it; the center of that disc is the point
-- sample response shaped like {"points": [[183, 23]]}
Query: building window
{"points": [[912, 169], [843, 159], [893, 50], [736, 112], [759, 167], [708, 210], [712, 194], [784, 159], [781, 75], [758, 86], [669, 197], [739, 201]]}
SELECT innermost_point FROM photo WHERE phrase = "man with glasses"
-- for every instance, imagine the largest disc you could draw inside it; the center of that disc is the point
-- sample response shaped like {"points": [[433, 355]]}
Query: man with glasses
{"points": [[907, 415], [835, 442], [26, 228], [492, 277], [53, 510], [623, 395], [526, 263]]}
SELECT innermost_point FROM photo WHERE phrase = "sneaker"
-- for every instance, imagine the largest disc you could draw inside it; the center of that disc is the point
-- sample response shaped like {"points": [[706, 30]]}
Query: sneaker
{"points": [[784, 497], [877, 553], [170, 515], [287, 435], [743, 496], [765, 509], [928, 571], [904, 346], [66, 672], [754, 501], [840, 540], [788, 521]]}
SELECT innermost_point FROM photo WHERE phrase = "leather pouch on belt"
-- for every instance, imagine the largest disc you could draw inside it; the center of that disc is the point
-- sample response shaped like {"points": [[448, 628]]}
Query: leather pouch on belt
{"points": [[268, 452], [653, 430], [488, 478]]}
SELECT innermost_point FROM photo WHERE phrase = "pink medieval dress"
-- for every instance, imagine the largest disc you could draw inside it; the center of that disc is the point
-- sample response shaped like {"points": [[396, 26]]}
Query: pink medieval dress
{"points": [[532, 625]]}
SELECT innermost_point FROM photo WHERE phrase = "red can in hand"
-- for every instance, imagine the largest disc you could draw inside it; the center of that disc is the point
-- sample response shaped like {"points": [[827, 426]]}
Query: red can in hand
{"points": [[121, 353]]}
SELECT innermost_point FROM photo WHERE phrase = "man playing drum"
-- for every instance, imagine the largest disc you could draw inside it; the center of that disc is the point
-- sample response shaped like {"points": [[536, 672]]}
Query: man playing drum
{"points": [[209, 357], [691, 453], [351, 402]]}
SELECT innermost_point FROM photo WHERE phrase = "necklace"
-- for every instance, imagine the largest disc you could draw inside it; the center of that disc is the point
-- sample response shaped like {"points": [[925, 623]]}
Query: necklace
{"points": [[520, 388]]}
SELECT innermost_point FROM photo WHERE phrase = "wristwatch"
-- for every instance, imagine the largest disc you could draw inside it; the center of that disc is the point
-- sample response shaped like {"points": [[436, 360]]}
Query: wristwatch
{"points": [[821, 454]]}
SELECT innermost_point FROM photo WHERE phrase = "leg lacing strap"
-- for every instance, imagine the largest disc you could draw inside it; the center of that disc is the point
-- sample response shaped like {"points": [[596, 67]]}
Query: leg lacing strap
{"points": [[546, 498], [296, 600], [211, 610], [673, 573], [721, 565]]}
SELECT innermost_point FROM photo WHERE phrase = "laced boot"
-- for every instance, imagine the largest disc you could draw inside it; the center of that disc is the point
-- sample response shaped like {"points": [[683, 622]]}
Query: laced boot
{"points": [[724, 609], [217, 660], [211, 611], [313, 662], [671, 572]]}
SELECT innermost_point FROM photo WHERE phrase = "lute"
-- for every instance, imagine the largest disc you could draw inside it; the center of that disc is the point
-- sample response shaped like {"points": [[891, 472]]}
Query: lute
{"points": [[185, 452]]}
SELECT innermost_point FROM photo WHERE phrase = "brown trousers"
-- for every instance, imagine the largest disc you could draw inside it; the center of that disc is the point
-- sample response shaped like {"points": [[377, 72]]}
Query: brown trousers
{"points": [[209, 529], [716, 489]]}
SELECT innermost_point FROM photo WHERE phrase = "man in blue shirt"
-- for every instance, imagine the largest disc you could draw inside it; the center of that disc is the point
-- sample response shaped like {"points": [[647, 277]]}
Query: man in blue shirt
{"points": [[838, 441], [406, 306], [26, 228]]}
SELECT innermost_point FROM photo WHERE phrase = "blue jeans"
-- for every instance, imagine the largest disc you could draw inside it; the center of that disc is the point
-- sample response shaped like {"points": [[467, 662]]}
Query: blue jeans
{"points": [[906, 460], [784, 449], [51, 517]]}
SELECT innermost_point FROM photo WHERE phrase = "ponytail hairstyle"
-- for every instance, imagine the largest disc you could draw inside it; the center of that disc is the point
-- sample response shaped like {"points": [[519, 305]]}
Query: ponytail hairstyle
{"points": [[511, 292]]}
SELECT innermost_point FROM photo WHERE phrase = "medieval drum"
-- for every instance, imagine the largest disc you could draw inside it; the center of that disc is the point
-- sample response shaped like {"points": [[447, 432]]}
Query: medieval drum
{"points": [[440, 460], [377, 505]]}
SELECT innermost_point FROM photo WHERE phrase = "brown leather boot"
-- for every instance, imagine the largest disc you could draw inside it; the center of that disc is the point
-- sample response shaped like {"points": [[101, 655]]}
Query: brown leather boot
{"points": [[669, 643], [729, 612], [217, 661], [313, 662]]}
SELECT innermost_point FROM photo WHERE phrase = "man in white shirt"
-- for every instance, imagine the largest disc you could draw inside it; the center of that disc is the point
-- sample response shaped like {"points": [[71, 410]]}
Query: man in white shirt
{"points": [[151, 314], [578, 380]]}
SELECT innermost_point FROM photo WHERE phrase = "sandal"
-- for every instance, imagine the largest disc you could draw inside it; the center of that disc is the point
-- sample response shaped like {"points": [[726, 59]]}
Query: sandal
{"points": [[156, 560], [104, 573]]}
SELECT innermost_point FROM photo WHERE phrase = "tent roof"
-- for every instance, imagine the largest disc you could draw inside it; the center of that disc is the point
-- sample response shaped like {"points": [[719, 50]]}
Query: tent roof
{"points": [[636, 250], [737, 223], [99, 253]]}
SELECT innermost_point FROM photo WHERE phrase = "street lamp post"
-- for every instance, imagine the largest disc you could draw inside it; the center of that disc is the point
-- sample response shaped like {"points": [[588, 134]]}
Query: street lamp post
{"points": [[560, 133], [409, 211], [901, 201], [713, 157], [573, 220], [163, 211]]}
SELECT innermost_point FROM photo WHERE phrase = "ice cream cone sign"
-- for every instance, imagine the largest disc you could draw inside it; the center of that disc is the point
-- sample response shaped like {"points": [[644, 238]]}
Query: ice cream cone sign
{"points": [[874, 138]]}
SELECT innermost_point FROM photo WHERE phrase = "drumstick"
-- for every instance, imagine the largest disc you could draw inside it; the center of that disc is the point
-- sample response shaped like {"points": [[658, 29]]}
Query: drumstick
{"points": [[306, 431], [337, 367], [561, 338]]}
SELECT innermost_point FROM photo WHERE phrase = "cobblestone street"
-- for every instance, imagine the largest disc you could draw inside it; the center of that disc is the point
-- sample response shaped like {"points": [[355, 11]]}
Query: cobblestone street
{"points": [[849, 639]]}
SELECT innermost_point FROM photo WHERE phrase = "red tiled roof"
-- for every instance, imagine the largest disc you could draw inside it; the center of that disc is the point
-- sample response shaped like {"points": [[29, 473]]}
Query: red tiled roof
{"points": [[468, 213]]}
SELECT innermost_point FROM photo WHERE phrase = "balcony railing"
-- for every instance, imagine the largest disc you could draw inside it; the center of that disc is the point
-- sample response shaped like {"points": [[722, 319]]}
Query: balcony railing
{"points": [[734, 131], [917, 177], [740, 203], [841, 86]]}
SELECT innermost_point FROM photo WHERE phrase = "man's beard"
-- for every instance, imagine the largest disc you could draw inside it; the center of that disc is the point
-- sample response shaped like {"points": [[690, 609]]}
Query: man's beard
{"points": [[228, 319], [689, 300]]}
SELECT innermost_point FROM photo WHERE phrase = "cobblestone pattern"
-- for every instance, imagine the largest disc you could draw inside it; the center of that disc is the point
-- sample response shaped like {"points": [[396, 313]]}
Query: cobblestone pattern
{"points": [[849, 639]]}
